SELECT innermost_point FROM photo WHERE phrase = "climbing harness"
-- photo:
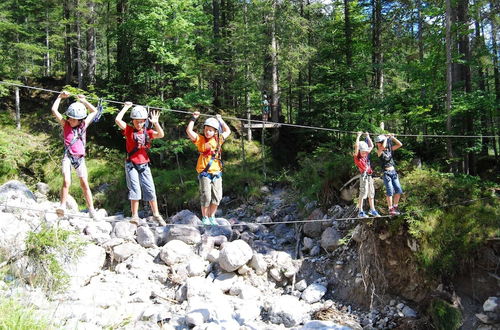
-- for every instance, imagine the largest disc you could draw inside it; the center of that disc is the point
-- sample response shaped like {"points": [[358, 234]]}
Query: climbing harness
{"points": [[78, 134]]}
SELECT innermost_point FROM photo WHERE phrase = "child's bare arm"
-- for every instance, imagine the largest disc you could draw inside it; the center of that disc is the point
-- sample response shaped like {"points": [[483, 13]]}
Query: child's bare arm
{"points": [[189, 129], [356, 144], [55, 107], [226, 131], [397, 144], [92, 110], [369, 141], [158, 133], [119, 117]]}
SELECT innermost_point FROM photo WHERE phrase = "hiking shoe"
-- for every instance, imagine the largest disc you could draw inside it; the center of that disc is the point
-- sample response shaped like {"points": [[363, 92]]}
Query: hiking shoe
{"points": [[158, 218], [206, 221], [393, 211], [362, 214], [61, 209], [373, 213], [212, 221], [93, 215], [135, 220]]}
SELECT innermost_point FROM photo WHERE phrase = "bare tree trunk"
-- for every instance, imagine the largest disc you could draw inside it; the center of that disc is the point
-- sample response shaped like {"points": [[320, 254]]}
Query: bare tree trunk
{"points": [[18, 109], [247, 74], [494, 30], [68, 40], [90, 72], [449, 82], [465, 77], [377, 73], [79, 44], [216, 81], [122, 44], [275, 104], [47, 43]]}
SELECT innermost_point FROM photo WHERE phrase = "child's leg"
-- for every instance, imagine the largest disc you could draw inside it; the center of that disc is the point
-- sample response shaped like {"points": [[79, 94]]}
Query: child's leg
{"points": [[389, 188], [134, 188], [371, 201], [396, 198], [134, 208], [363, 191], [216, 195], [205, 195], [154, 207], [66, 172], [360, 203], [83, 174]]}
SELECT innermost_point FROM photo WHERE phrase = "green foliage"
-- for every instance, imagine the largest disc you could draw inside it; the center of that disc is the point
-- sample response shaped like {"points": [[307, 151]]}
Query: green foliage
{"points": [[450, 216], [14, 315], [46, 250], [322, 174], [444, 316]]}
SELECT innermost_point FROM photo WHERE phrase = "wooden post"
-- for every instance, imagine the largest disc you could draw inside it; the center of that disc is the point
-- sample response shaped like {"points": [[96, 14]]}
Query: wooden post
{"points": [[18, 109], [243, 151], [247, 103]]}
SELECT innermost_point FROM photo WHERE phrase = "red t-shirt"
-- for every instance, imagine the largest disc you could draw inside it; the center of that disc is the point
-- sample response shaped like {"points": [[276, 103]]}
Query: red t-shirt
{"points": [[134, 138], [363, 164]]}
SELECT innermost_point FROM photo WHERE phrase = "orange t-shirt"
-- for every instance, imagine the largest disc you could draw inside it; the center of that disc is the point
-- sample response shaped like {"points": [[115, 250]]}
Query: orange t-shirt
{"points": [[206, 154]]}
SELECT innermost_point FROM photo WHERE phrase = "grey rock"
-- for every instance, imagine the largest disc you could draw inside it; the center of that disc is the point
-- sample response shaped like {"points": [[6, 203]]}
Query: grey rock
{"points": [[234, 255], [124, 229], [188, 234], [185, 217], [42, 188], [16, 190], [301, 285], [223, 229], [330, 239], [145, 237], [492, 304], [287, 310], [324, 325], [258, 263], [175, 252], [409, 312], [313, 293], [123, 251]]}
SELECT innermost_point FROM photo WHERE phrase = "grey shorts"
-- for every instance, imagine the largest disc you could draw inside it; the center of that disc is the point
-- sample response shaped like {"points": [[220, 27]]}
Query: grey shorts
{"points": [[366, 188], [66, 167], [210, 190], [139, 182]]}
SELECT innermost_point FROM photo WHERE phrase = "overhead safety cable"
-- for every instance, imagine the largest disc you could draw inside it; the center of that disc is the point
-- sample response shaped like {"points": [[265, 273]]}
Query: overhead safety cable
{"points": [[262, 121]]}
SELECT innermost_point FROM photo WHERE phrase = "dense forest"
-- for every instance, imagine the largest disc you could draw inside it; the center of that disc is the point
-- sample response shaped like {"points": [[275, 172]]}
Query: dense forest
{"points": [[421, 67]]}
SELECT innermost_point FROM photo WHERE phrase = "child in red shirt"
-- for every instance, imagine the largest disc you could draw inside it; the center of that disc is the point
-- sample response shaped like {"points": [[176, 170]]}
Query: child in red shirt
{"points": [[366, 188]]}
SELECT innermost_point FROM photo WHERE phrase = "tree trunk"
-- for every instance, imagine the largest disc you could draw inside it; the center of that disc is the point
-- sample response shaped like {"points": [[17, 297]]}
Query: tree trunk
{"points": [[122, 44], [47, 42], [68, 40], [90, 72], [465, 79], [496, 74], [18, 109], [216, 80], [348, 34], [79, 56], [449, 42], [275, 96], [377, 73], [247, 78]]}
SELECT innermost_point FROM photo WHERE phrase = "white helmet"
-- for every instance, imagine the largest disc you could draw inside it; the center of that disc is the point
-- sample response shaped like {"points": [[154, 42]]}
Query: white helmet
{"points": [[380, 138], [212, 122], [76, 110], [363, 146], [139, 112]]}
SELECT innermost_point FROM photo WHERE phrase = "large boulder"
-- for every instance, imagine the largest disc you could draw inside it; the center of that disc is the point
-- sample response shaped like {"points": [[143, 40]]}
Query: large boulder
{"points": [[86, 266], [188, 234], [234, 255], [330, 239], [185, 217], [12, 234], [175, 252], [287, 310], [16, 190]]}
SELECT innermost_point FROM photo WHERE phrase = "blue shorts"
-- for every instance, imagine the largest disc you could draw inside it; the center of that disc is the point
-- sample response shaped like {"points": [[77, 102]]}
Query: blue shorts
{"points": [[391, 182], [139, 182]]}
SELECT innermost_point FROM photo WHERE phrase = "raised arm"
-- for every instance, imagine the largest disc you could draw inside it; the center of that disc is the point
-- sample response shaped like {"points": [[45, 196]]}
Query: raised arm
{"points": [[119, 117], [369, 141], [158, 132], [397, 144], [356, 144], [55, 107], [189, 129], [226, 131], [93, 110]]}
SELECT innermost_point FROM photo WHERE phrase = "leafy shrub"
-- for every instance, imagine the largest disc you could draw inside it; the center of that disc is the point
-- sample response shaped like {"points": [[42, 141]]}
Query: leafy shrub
{"points": [[14, 315], [445, 316], [46, 249], [450, 215]]}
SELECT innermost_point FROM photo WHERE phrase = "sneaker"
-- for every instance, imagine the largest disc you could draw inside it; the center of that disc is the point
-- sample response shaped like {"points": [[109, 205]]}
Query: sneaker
{"points": [[93, 215], [393, 211], [362, 214], [206, 221], [213, 222], [61, 209], [158, 218], [373, 213], [135, 220]]}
